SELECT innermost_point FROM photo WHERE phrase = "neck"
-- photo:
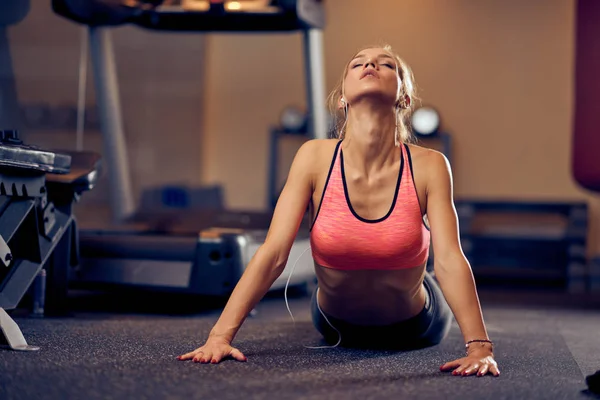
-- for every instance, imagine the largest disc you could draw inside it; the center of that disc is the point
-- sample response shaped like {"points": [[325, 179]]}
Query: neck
{"points": [[369, 138]]}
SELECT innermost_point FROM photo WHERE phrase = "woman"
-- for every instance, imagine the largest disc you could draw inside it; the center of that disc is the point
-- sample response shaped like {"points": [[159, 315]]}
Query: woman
{"points": [[369, 192]]}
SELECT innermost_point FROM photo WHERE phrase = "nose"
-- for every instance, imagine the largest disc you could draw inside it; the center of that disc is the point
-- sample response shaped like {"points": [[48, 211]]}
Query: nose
{"points": [[371, 63]]}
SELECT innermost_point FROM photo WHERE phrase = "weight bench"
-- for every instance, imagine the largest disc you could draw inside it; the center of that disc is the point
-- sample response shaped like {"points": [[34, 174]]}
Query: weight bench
{"points": [[38, 232]]}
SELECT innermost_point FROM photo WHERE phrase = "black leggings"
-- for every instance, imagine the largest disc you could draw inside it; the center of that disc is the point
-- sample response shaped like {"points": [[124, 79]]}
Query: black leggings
{"points": [[425, 329]]}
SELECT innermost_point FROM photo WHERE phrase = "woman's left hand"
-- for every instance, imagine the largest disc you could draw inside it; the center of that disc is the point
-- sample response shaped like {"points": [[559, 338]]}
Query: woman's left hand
{"points": [[477, 362]]}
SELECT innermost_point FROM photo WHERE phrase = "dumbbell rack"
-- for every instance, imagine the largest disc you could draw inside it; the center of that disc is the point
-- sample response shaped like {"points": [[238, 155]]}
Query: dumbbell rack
{"points": [[35, 235]]}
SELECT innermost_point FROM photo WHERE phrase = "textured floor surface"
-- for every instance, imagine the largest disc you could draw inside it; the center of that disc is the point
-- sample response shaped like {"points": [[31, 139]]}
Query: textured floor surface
{"points": [[543, 353]]}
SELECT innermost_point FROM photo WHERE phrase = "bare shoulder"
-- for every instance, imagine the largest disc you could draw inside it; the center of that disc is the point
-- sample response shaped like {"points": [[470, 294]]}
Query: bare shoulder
{"points": [[312, 158], [320, 145], [427, 156], [432, 164], [317, 151]]}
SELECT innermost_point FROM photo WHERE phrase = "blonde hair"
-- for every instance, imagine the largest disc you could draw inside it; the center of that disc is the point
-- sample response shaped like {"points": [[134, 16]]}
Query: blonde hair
{"points": [[406, 100]]}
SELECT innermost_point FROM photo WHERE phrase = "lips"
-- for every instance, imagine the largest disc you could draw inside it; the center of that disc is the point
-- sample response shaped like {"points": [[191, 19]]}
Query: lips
{"points": [[369, 72]]}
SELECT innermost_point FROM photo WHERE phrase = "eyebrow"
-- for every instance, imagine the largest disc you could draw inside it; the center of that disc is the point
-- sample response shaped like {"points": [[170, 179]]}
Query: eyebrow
{"points": [[379, 56]]}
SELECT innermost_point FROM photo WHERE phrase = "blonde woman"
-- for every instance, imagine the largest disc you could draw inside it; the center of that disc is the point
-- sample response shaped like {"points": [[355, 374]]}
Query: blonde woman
{"points": [[376, 204]]}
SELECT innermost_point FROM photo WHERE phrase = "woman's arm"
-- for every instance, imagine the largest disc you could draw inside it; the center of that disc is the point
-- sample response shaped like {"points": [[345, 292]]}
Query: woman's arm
{"points": [[452, 269], [269, 261]]}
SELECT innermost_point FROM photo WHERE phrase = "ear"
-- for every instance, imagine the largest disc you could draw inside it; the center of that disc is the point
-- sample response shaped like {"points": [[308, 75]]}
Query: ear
{"points": [[405, 102], [342, 103]]}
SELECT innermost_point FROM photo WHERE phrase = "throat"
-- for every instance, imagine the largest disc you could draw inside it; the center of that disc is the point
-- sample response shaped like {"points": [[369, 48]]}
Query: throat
{"points": [[370, 133]]}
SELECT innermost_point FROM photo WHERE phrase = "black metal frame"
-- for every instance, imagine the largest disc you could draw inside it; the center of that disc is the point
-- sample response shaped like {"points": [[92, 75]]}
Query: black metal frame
{"points": [[40, 238]]}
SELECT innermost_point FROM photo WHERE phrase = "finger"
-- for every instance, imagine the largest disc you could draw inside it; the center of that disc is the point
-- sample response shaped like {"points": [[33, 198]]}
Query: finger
{"points": [[483, 370], [203, 357], [236, 354], [471, 370], [188, 356], [460, 370], [450, 365], [219, 356], [494, 370]]}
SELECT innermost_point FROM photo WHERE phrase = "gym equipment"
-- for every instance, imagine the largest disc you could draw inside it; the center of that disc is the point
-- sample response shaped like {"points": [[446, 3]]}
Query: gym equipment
{"points": [[197, 251], [525, 243], [292, 124], [38, 233]]}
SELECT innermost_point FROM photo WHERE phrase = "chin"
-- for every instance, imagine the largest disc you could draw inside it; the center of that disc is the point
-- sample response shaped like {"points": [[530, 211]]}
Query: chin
{"points": [[375, 96]]}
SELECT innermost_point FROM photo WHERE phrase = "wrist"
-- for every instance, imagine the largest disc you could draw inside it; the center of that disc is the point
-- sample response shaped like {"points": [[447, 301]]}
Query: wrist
{"points": [[220, 336], [479, 346], [480, 352]]}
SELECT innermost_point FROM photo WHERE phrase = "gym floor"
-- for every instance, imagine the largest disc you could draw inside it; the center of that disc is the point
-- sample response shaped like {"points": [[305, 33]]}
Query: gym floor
{"points": [[125, 346]]}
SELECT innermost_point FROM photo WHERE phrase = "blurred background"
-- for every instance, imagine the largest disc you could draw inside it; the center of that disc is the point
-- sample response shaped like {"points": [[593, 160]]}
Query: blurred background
{"points": [[198, 109], [211, 122]]}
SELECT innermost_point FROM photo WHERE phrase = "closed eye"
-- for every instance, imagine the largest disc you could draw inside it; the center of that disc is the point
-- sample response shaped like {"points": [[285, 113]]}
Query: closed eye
{"points": [[356, 65]]}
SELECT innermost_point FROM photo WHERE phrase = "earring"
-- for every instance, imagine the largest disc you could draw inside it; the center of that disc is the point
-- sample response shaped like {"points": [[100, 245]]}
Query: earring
{"points": [[404, 102]]}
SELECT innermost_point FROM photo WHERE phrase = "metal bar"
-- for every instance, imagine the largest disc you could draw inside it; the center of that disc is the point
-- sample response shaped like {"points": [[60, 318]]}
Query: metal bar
{"points": [[5, 253], [55, 299], [12, 218], [82, 82], [109, 107], [13, 334], [315, 79], [135, 246]]}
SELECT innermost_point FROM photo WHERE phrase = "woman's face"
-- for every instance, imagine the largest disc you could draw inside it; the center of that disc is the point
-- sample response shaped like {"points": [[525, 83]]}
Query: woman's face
{"points": [[372, 73]]}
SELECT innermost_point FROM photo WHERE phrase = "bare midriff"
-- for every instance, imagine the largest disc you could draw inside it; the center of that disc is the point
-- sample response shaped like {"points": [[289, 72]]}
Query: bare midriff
{"points": [[370, 296]]}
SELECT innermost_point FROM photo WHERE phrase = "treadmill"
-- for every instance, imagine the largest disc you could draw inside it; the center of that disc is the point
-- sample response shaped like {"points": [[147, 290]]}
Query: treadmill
{"points": [[201, 252]]}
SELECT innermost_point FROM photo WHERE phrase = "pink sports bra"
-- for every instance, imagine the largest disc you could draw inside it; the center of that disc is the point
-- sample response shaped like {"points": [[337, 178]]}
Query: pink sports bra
{"points": [[341, 239]]}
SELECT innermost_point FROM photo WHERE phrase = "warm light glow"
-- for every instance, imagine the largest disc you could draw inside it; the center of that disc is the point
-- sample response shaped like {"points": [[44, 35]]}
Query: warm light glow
{"points": [[234, 5], [247, 5], [230, 5], [195, 5]]}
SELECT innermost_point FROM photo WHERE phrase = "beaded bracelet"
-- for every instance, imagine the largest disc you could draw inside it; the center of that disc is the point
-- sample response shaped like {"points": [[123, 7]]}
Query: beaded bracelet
{"points": [[477, 341]]}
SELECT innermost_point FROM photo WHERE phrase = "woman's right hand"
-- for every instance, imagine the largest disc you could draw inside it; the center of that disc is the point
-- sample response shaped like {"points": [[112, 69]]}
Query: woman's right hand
{"points": [[214, 351]]}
